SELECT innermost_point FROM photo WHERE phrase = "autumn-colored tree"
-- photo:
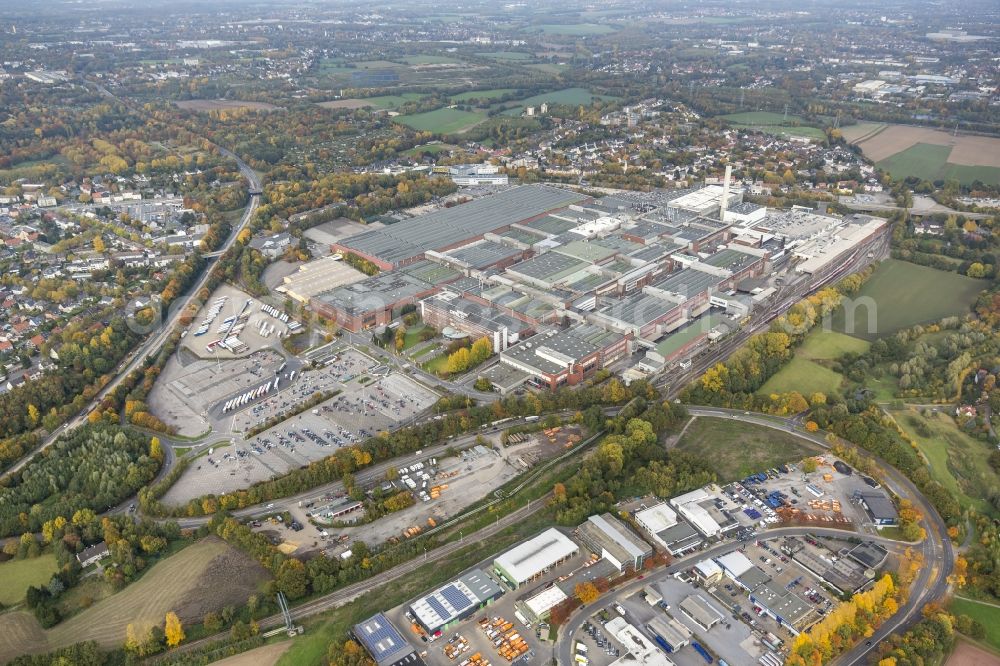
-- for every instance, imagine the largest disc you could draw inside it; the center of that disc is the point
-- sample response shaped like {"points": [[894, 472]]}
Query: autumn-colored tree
{"points": [[172, 630], [155, 449], [809, 465], [586, 592], [811, 426]]}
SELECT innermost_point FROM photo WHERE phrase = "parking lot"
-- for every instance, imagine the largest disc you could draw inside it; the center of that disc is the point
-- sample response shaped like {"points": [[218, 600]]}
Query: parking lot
{"points": [[187, 387], [360, 411]]}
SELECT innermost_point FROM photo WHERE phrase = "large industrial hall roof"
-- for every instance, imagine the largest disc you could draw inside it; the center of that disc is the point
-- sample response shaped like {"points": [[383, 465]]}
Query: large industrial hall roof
{"points": [[445, 227]]}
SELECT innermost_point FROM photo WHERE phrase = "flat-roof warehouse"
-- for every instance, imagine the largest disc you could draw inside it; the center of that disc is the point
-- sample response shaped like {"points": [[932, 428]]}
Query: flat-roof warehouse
{"points": [[534, 557], [455, 601], [384, 643]]}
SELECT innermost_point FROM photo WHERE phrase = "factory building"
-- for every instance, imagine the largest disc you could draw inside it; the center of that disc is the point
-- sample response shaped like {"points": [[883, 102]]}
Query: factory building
{"points": [[529, 560], [614, 542], [787, 608], [385, 643], [457, 316], [701, 508], [667, 531], [454, 602], [700, 611], [566, 357], [539, 603], [878, 506], [669, 633]]}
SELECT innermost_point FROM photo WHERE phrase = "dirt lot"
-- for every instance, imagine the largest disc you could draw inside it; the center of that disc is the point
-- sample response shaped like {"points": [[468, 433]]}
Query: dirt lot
{"points": [[221, 104], [966, 149], [204, 576], [966, 654]]}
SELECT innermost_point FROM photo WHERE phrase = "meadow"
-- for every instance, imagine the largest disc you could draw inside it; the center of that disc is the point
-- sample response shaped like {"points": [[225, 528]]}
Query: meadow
{"points": [[482, 94], [442, 121], [567, 96], [737, 449], [807, 372], [902, 295], [930, 162], [19, 575], [988, 615], [775, 123]]}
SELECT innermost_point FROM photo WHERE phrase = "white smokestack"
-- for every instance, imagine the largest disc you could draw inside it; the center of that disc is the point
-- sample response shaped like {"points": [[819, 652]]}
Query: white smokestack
{"points": [[725, 193]]}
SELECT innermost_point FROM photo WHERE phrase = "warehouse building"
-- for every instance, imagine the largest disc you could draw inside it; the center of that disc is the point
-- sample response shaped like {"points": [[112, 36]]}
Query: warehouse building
{"points": [[667, 531], [669, 633], [529, 560], [640, 651], [385, 643], [878, 506], [317, 276], [455, 601], [701, 508], [614, 542], [538, 604], [700, 611], [787, 608], [742, 571], [406, 242]]}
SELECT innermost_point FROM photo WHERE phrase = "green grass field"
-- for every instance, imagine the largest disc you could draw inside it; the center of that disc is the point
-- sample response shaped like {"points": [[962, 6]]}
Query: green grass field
{"points": [[568, 96], [442, 121], [957, 461], [804, 376], [737, 449], [482, 94], [822, 345], [506, 55], [429, 60], [775, 123], [549, 68], [392, 101], [19, 575], [437, 365], [572, 29], [903, 294], [930, 162], [989, 616], [433, 148]]}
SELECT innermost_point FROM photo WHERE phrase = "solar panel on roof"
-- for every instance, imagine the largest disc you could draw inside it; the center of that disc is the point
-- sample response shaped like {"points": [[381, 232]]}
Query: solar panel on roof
{"points": [[384, 638], [438, 608], [456, 598]]}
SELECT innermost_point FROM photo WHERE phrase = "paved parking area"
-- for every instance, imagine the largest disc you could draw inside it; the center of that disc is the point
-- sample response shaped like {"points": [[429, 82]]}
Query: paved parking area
{"points": [[360, 411], [187, 387]]}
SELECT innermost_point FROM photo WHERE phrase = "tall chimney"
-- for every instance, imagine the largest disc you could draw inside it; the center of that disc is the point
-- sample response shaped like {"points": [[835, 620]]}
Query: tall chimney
{"points": [[725, 193]]}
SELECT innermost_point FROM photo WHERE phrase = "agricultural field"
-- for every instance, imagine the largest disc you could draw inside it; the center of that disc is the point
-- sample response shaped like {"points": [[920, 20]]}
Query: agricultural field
{"points": [[424, 59], [927, 153], [203, 577], [442, 121], [988, 615], [552, 68], [380, 102], [904, 294], [19, 575], [482, 94], [736, 448], [956, 460], [223, 105], [567, 96], [506, 55], [572, 29], [775, 123]]}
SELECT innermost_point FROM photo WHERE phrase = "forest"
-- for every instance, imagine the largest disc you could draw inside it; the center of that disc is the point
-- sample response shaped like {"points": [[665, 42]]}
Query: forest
{"points": [[91, 467]]}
